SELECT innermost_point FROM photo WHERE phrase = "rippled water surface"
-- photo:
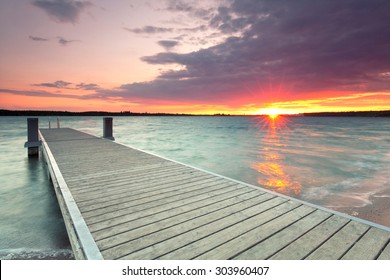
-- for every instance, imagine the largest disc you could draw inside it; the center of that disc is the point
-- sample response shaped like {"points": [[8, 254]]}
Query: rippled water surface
{"points": [[333, 162]]}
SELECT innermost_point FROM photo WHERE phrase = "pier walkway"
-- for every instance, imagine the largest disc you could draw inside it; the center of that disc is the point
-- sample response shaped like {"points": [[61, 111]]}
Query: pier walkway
{"points": [[122, 203]]}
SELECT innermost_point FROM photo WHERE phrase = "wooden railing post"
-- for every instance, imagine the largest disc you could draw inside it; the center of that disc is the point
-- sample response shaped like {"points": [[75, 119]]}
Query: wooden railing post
{"points": [[107, 128], [33, 142]]}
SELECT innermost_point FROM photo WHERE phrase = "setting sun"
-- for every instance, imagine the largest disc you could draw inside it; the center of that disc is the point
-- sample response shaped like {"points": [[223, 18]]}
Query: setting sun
{"points": [[271, 112], [273, 115]]}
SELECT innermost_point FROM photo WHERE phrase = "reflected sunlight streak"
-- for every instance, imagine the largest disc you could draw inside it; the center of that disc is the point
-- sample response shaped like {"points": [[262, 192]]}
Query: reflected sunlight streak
{"points": [[271, 169]]}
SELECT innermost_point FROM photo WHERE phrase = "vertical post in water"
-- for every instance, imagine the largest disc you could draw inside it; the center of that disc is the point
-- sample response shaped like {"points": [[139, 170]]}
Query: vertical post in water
{"points": [[107, 128], [33, 142], [58, 122]]}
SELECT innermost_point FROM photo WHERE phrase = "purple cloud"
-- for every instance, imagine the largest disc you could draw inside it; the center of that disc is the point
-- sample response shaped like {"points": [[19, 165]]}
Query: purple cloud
{"points": [[62, 10], [307, 46], [149, 30], [67, 85], [57, 84], [64, 42], [193, 10], [87, 86], [168, 44], [39, 39], [48, 94]]}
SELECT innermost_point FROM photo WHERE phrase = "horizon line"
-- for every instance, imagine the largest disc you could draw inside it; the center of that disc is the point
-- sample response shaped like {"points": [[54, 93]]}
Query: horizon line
{"points": [[9, 112]]}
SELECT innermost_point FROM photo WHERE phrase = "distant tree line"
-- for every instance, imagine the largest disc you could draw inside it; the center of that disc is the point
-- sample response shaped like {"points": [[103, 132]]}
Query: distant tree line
{"points": [[34, 113], [350, 114], [129, 113]]}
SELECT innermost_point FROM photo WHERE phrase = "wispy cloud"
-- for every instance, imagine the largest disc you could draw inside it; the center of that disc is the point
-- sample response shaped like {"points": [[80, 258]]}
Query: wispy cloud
{"points": [[67, 85], [62, 10], [57, 84], [87, 86], [149, 30], [64, 42], [194, 10], [39, 39], [47, 94]]}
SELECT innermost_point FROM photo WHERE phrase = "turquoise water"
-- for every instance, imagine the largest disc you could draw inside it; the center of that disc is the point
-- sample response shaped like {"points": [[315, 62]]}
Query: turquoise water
{"points": [[333, 162]]}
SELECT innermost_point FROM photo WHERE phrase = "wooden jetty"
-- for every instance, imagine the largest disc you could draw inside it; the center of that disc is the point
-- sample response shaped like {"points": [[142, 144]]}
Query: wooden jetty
{"points": [[119, 202]]}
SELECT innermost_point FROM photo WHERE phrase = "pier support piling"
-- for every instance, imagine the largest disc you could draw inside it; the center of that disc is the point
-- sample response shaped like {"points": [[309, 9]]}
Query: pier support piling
{"points": [[33, 142], [107, 128]]}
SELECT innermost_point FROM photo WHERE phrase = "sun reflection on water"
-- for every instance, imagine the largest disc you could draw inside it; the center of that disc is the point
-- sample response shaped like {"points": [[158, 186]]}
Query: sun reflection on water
{"points": [[271, 167]]}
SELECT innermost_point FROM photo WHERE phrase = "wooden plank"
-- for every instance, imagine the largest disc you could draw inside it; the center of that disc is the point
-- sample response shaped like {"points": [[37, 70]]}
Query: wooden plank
{"points": [[185, 190], [130, 184], [164, 220], [125, 215], [107, 228], [257, 230], [164, 241], [340, 243], [385, 254], [303, 246], [115, 210], [107, 177], [368, 246], [194, 232], [283, 238], [139, 190], [176, 214]]}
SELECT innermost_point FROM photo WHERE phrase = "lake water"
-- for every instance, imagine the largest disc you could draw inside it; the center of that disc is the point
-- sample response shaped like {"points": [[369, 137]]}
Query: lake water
{"points": [[334, 162]]}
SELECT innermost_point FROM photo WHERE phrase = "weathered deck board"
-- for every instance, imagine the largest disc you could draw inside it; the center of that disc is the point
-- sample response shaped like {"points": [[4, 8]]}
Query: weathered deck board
{"points": [[385, 254], [140, 206], [311, 240], [276, 242], [168, 218], [340, 243], [368, 246]]}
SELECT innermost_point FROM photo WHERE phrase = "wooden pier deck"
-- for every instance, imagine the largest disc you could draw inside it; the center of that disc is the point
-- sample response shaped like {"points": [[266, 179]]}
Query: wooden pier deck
{"points": [[122, 203]]}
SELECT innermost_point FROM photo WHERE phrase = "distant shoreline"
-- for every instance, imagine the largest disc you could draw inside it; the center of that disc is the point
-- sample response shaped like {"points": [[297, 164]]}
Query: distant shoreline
{"points": [[3, 112]]}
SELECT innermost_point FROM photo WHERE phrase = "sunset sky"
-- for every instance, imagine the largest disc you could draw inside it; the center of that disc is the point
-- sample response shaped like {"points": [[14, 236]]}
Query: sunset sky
{"points": [[176, 56]]}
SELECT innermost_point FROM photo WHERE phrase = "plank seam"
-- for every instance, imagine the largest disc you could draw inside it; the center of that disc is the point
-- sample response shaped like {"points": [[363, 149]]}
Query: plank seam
{"points": [[84, 190], [173, 225], [353, 244], [192, 193], [193, 185], [141, 188], [235, 223], [166, 210], [218, 219], [382, 249], [300, 236], [326, 240], [269, 236]]}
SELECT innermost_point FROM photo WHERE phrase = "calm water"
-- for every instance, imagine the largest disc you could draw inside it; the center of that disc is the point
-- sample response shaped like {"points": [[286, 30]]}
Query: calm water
{"points": [[333, 162]]}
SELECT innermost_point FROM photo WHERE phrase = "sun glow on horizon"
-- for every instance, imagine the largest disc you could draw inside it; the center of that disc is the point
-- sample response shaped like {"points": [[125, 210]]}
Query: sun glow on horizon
{"points": [[272, 112]]}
